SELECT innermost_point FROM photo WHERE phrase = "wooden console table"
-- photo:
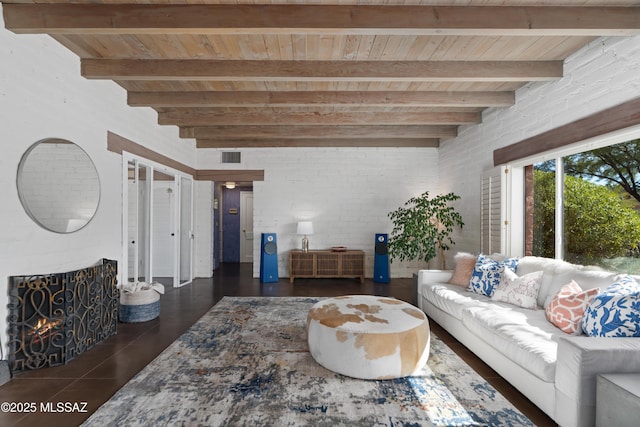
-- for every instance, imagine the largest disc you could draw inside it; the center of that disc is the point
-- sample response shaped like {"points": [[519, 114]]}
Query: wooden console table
{"points": [[326, 264]]}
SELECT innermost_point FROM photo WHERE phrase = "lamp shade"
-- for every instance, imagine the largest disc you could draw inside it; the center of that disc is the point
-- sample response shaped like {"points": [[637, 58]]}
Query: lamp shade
{"points": [[305, 227]]}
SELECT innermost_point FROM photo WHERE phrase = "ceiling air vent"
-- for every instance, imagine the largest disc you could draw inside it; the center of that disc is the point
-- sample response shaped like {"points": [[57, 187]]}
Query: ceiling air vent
{"points": [[231, 157]]}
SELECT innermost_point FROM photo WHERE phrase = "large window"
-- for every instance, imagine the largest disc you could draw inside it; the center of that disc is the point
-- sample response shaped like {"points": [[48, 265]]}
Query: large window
{"points": [[586, 207]]}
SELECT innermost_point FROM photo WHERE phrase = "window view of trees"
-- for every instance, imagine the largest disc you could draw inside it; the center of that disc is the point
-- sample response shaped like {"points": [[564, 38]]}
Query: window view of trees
{"points": [[616, 166], [601, 207], [544, 210]]}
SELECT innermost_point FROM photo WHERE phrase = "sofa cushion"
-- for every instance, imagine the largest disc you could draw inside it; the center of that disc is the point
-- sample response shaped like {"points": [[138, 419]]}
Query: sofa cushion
{"points": [[518, 290], [586, 277], [451, 298], [558, 273], [465, 262], [550, 267], [568, 306], [616, 311], [524, 336], [487, 272]]}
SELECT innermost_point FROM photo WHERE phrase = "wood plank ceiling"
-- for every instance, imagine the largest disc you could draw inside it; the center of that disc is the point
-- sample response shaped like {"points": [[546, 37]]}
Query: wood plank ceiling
{"points": [[340, 73]]}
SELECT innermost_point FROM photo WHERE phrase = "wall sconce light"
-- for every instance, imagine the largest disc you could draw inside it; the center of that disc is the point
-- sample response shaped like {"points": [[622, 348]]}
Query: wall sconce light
{"points": [[305, 228], [230, 185]]}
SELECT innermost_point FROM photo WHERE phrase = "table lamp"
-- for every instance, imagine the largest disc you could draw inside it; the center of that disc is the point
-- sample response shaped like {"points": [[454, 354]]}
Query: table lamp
{"points": [[305, 228]]}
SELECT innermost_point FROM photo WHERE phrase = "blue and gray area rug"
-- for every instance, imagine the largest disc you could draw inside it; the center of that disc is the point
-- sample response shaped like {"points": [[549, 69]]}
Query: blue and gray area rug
{"points": [[246, 363]]}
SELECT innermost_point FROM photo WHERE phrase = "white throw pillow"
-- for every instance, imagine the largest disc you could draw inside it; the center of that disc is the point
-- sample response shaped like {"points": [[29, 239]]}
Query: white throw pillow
{"points": [[521, 291]]}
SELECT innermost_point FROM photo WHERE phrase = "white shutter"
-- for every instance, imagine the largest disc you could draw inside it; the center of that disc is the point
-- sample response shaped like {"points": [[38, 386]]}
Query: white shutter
{"points": [[493, 212]]}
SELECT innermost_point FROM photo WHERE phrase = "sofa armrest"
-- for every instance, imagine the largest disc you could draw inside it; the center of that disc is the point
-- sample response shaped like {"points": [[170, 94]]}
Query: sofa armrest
{"points": [[434, 276], [580, 360]]}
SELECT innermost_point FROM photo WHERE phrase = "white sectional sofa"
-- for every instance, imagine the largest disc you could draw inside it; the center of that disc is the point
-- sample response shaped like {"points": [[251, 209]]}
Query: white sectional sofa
{"points": [[555, 370]]}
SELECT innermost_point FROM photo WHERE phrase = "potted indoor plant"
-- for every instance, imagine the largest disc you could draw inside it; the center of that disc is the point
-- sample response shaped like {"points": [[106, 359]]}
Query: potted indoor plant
{"points": [[422, 228]]}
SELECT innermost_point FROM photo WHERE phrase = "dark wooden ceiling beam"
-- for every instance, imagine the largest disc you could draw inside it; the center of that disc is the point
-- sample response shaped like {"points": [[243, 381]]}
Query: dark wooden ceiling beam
{"points": [[319, 19], [252, 70], [612, 119], [222, 133], [219, 117], [325, 99], [319, 142]]}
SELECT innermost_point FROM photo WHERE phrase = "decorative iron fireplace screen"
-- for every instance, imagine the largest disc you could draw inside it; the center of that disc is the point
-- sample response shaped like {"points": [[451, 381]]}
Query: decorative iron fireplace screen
{"points": [[55, 317]]}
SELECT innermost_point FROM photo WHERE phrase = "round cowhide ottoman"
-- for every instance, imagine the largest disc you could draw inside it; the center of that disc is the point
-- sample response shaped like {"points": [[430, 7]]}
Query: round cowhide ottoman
{"points": [[368, 337]]}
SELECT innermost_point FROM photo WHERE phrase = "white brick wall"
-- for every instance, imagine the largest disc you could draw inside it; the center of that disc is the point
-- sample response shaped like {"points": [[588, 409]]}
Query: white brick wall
{"points": [[42, 95], [346, 192], [601, 75], [59, 184]]}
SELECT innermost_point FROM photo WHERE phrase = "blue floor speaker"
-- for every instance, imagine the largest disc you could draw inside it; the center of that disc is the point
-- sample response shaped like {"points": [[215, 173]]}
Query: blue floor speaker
{"points": [[268, 258], [381, 259]]}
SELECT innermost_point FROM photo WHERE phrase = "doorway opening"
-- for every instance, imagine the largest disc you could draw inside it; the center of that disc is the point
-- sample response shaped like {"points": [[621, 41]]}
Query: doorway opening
{"points": [[233, 224], [158, 223]]}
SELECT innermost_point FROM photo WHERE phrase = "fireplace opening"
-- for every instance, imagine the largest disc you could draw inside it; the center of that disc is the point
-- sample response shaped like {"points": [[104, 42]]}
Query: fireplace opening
{"points": [[43, 329], [55, 317]]}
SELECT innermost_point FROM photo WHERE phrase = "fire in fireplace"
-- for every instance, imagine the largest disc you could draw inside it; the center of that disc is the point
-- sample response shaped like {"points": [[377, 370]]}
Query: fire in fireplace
{"points": [[43, 329], [55, 317]]}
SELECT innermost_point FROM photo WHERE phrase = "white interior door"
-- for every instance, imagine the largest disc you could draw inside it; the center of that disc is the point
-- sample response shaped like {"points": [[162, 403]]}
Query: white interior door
{"points": [[132, 240], [157, 223], [163, 226], [137, 221], [246, 226], [185, 224]]}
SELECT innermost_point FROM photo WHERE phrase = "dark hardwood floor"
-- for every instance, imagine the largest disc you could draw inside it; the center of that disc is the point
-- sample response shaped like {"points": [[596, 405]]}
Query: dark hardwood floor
{"points": [[93, 377]]}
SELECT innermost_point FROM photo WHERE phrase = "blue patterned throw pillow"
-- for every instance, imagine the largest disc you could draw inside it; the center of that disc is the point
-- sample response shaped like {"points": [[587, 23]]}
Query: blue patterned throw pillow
{"points": [[616, 311], [486, 274]]}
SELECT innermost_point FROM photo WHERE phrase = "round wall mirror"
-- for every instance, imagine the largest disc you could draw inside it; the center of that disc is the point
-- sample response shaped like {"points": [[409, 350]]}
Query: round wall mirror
{"points": [[58, 185]]}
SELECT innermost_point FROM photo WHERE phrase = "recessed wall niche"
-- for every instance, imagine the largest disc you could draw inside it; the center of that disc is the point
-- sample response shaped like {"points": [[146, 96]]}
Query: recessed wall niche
{"points": [[58, 185]]}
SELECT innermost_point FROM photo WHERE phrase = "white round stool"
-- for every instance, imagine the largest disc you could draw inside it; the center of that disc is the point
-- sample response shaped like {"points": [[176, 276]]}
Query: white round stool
{"points": [[368, 337]]}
